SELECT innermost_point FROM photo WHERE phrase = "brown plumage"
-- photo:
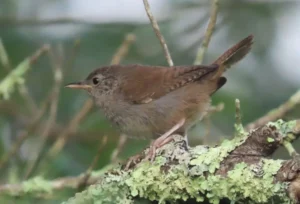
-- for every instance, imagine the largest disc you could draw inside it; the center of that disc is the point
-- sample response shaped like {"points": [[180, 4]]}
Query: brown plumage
{"points": [[146, 101]]}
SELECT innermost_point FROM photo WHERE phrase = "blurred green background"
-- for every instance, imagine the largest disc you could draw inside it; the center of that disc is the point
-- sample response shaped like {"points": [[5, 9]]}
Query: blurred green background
{"points": [[267, 77]]}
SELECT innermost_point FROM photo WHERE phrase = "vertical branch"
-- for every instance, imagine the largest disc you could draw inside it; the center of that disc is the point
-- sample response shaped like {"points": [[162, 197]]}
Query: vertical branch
{"points": [[58, 78], [24, 135], [4, 57], [71, 128], [158, 33], [207, 121], [239, 129], [87, 174], [123, 49], [36, 117], [208, 33], [74, 123], [71, 58], [119, 148], [23, 90], [116, 59], [238, 117], [201, 51]]}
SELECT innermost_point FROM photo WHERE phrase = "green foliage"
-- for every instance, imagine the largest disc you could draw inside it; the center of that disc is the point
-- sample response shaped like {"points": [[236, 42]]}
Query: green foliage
{"points": [[15, 77]]}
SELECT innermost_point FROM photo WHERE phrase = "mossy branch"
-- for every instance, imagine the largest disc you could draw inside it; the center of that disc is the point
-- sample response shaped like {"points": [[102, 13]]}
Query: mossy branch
{"points": [[239, 170]]}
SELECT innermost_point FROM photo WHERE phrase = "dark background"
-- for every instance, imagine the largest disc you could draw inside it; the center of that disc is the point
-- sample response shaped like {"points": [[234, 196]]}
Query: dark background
{"points": [[266, 78]]}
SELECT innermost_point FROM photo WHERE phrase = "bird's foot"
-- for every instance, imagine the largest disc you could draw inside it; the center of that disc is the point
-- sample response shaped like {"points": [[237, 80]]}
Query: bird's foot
{"points": [[163, 140]]}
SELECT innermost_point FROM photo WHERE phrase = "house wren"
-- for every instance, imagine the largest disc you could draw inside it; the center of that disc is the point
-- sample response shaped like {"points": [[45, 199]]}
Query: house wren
{"points": [[154, 101]]}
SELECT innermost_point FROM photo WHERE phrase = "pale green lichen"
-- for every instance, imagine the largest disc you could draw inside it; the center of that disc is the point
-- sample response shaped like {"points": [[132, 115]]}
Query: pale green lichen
{"points": [[14, 78], [150, 181], [37, 185], [177, 174], [250, 184], [239, 130], [161, 181], [284, 128], [211, 159], [109, 190]]}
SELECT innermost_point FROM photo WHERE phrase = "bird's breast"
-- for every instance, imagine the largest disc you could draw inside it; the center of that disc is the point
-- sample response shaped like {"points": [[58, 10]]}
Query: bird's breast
{"points": [[131, 120]]}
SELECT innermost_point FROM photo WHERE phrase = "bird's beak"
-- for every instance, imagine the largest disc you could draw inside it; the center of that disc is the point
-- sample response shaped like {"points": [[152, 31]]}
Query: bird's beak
{"points": [[78, 85]]}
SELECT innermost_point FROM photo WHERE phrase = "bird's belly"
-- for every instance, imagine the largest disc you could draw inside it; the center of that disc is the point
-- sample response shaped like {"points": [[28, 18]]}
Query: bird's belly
{"points": [[149, 121], [137, 129], [197, 115], [133, 122]]}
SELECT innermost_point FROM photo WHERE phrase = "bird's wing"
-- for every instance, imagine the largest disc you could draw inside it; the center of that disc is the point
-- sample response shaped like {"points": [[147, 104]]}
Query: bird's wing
{"points": [[143, 84]]}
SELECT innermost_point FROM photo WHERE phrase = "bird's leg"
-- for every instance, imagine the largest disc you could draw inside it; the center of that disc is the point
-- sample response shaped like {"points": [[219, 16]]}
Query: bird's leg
{"points": [[162, 140]]}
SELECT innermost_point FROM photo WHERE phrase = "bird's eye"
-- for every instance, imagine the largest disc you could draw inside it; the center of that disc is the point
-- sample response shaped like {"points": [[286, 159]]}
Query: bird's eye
{"points": [[95, 80]]}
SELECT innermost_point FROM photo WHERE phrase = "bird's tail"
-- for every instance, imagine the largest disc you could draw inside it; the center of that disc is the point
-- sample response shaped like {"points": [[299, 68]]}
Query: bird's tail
{"points": [[233, 55]]}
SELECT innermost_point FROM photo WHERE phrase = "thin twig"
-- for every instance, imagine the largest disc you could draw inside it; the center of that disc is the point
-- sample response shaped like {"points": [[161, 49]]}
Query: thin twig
{"points": [[58, 78], [239, 129], [23, 90], [158, 33], [208, 33], [123, 49], [199, 59], [10, 22], [38, 53], [73, 55], [207, 120], [276, 113], [4, 59], [71, 128], [118, 56], [289, 147], [119, 148], [287, 143], [238, 117], [24, 135], [56, 184], [42, 22], [84, 181]]}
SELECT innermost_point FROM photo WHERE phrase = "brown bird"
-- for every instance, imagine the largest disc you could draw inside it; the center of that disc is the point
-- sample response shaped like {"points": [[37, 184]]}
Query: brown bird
{"points": [[154, 101]]}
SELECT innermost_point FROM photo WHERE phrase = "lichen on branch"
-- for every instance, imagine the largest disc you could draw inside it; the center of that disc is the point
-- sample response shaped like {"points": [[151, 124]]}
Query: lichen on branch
{"points": [[238, 170], [203, 173]]}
